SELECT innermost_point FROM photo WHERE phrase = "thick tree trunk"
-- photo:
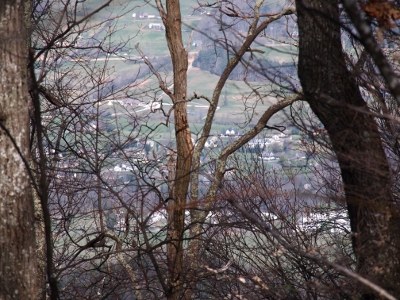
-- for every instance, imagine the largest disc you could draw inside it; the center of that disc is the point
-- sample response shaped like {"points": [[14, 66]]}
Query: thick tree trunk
{"points": [[335, 98], [17, 232]]}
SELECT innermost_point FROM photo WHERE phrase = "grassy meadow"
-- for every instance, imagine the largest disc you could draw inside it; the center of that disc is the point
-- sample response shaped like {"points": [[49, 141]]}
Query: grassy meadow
{"points": [[237, 102]]}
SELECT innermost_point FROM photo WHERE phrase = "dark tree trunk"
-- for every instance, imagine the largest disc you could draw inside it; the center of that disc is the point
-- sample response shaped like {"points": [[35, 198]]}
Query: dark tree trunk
{"points": [[335, 98], [17, 234]]}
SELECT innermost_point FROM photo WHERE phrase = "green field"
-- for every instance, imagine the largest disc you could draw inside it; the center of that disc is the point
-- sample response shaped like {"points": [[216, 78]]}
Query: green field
{"points": [[238, 105], [235, 106]]}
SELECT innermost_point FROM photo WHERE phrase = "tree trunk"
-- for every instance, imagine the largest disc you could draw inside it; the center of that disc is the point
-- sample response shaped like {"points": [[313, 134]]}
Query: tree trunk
{"points": [[335, 98], [184, 148], [17, 233], [40, 236]]}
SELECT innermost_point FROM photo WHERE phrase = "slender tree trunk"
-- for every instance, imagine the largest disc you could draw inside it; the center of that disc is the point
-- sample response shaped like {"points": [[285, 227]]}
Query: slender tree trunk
{"points": [[17, 232], [335, 98], [184, 147]]}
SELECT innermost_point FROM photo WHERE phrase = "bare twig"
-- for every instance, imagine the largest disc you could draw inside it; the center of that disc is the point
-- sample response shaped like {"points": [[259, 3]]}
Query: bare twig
{"points": [[369, 42], [269, 230], [220, 270], [160, 80]]}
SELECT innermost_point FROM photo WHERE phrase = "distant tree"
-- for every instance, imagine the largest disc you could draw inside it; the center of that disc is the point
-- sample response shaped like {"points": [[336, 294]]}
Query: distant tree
{"points": [[283, 160], [276, 147]]}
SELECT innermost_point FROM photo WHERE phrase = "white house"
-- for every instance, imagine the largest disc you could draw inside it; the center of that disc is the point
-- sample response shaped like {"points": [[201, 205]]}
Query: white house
{"points": [[156, 26]]}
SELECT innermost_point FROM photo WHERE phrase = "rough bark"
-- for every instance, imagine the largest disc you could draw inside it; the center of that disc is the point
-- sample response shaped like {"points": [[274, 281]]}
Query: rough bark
{"points": [[40, 248], [332, 94], [184, 147], [17, 232]]}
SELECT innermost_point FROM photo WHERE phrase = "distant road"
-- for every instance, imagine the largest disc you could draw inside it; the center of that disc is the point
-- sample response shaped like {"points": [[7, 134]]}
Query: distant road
{"points": [[157, 103], [136, 58], [133, 58]]}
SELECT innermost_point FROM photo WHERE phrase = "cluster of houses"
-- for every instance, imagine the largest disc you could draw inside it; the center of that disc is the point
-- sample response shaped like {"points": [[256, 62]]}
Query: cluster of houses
{"points": [[260, 143], [143, 15], [153, 26], [328, 221]]}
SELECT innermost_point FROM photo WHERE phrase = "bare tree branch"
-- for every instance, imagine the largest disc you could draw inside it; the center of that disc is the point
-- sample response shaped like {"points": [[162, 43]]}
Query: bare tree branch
{"points": [[367, 39], [266, 229]]}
